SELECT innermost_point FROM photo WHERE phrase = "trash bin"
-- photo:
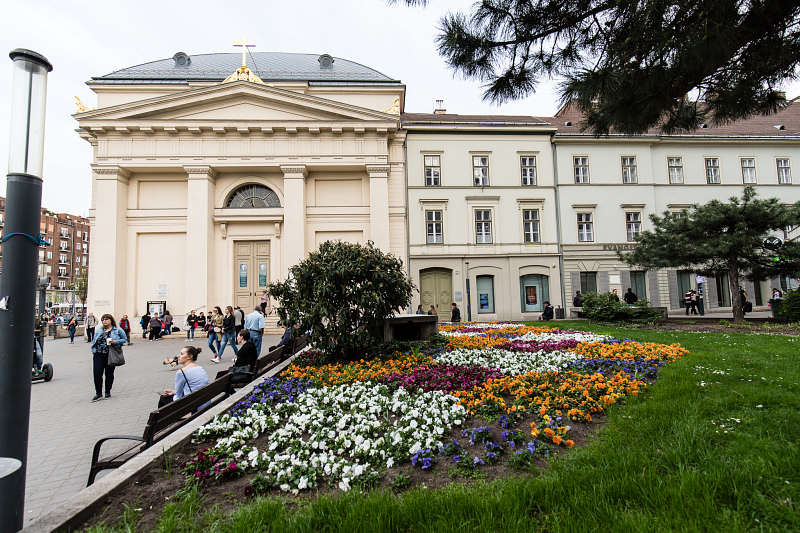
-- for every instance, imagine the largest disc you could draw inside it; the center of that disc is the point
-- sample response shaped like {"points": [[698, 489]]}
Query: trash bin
{"points": [[560, 314], [51, 330]]}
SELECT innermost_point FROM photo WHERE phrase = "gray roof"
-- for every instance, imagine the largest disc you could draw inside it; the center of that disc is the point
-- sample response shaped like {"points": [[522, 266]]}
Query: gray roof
{"points": [[269, 66]]}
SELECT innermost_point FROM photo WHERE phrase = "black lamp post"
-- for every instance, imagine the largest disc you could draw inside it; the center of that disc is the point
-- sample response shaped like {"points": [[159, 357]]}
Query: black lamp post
{"points": [[19, 280]]}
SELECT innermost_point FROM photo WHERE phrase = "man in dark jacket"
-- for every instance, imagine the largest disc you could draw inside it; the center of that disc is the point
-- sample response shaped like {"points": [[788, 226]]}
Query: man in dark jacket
{"points": [[247, 355], [285, 340], [548, 312], [455, 314], [630, 297]]}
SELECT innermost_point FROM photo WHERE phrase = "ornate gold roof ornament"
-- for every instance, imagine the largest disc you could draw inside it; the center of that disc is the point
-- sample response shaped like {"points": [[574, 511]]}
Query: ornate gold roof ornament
{"points": [[243, 73], [395, 109], [80, 108]]}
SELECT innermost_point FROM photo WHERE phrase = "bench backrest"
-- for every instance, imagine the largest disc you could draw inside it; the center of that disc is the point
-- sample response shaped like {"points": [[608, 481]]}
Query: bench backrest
{"points": [[173, 413], [267, 361]]}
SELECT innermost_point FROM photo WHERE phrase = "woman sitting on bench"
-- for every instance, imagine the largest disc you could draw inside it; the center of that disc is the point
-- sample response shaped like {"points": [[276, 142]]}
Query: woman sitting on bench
{"points": [[190, 378]]}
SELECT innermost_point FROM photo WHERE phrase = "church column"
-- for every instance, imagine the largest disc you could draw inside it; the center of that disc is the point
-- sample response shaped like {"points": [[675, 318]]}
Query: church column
{"points": [[200, 236], [294, 215], [108, 273], [379, 205]]}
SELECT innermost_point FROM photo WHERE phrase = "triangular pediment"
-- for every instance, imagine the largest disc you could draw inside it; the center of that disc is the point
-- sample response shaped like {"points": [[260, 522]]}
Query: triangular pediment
{"points": [[236, 101]]}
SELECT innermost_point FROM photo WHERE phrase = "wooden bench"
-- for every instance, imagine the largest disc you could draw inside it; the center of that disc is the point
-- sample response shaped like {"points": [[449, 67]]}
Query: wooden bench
{"points": [[298, 344], [161, 423], [264, 364]]}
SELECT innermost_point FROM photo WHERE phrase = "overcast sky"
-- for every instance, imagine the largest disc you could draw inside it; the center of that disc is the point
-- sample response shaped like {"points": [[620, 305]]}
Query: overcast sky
{"points": [[84, 39]]}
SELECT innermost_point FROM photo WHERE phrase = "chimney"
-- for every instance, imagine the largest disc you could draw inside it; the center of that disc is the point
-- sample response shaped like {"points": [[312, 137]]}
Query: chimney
{"points": [[440, 110]]}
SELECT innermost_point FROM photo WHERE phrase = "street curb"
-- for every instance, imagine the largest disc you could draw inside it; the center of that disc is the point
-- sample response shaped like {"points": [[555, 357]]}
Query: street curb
{"points": [[75, 511]]}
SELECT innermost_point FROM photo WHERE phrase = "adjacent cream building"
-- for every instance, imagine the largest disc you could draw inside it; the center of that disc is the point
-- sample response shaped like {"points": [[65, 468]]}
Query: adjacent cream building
{"points": [[210, 180]]}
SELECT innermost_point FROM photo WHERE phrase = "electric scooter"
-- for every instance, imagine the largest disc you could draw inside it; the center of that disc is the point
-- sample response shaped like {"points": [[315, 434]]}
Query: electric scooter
{"points": [[46, 373]]}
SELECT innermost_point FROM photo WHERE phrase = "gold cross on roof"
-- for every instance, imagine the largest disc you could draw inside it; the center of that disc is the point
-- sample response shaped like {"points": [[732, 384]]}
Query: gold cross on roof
{"points": [[244, 44]]}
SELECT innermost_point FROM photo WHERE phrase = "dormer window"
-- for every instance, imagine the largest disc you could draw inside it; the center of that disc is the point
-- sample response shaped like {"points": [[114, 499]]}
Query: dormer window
{"points": [[325, 62], [182, 60]]}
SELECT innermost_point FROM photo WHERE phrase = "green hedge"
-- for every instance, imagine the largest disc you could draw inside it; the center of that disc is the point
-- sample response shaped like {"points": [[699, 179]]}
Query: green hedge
{"points": [[604, 308]]}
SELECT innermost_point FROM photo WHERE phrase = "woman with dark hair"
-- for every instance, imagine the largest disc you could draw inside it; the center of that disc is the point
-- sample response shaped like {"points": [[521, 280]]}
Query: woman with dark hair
{"points": [[71, 327], [188, 379], [228, 334], [215, 332], [155, 327], [109, 334]]}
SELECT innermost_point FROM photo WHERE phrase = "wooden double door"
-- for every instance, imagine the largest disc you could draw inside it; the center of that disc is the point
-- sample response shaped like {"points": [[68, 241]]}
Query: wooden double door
{"points": [[436, 288], [251, 273]]}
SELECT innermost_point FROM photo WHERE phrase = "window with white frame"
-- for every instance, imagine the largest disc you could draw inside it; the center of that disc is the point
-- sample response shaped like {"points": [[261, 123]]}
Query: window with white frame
{"points": [[679, 214], [84, 261], [62, 284], [629, 169], [62, 271], [530, 223], [712, 170], [64, 232], [581, 169], [528, 166], [483, 226], [480, 170], [585, 227], [434, 227], [433, 170], [77, 270], [62, 258], [748, 170], [784, 171], [78, 246], [85, 235], [49, 254], [633, 221], [675, 167]]}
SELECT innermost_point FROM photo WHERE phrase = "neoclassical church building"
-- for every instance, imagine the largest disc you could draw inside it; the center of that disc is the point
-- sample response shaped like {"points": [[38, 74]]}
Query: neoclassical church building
{"points": [[211, 177]]}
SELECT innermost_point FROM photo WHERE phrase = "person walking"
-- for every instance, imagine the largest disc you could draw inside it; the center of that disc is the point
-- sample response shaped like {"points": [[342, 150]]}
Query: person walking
{"points": [[254, 323], [191, 323], [71, 327], [188, 379], [109, 334], [167, 329], [155, 327], [125, 325], [91, 323], [455, 313], [630, 297], [687, 301], [745, 306], [214, 332], [264, 302], [228, 334], [145, 323], [238, 316]]}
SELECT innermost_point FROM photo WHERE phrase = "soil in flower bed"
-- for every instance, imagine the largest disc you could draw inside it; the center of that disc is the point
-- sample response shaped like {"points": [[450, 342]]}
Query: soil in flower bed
{"points": [[154, 489]]}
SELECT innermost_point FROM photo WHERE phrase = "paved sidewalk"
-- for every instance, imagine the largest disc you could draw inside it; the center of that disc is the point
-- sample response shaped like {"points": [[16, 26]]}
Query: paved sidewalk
{"points": [[65, 424]]}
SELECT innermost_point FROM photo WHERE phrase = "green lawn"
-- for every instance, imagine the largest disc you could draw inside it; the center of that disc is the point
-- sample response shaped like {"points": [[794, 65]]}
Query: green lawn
{"points": [[662, 463]]}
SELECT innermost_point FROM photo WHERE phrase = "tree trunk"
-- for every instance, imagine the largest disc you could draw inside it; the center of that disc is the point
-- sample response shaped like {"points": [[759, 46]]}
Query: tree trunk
{"points": [[736, 297]]}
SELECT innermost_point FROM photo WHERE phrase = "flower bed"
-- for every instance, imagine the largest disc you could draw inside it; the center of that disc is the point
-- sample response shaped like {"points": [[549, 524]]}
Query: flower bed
{"points": [[347, 425]]}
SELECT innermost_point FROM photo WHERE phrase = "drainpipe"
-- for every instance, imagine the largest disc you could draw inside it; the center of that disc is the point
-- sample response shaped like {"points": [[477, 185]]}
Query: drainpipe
{"points": [[408, 231], [558, 228]]}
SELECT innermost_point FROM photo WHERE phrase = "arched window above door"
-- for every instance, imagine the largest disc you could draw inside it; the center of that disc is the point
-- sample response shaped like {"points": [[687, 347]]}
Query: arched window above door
{"points": [[253, 195]]}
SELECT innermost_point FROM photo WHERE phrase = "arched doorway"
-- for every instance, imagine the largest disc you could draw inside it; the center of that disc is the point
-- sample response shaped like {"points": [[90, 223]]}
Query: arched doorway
{"points": [[436, 289]]}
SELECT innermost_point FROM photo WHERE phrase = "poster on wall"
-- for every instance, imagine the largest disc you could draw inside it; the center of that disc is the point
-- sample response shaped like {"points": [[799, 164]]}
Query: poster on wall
{"points": [[484, 299], [156, 307], [243, 275], [530, 295], [262, 274]]}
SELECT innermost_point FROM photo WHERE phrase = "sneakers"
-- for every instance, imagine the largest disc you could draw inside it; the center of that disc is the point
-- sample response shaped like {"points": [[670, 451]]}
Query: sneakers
{"points": [[215, 359], [233, 359], [108, 396], [97, 397]]}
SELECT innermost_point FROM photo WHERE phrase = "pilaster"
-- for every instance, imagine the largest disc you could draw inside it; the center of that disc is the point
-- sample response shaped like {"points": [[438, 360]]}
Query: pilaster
{"points": [[379, 205], [295, 246], [200, 250], [108, 272]]}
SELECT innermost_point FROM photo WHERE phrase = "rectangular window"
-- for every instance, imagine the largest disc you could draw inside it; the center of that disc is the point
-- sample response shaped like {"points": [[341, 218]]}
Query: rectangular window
{"points": [[712, 170], [62, 258], [675, 166], [432, 170], [678, 214], [748, 170], [480, 170], [585, 227], [62, 284], [64, 232], [784, 171], [638, 284], [84, 260], [530, 221], [485, 286], [78, 246], [633, 222], [434, 227], [581, 169], [49, 254], [629, 170], [62, 271], [483, 226], [588, 282], [85, 235], [528, 165]]}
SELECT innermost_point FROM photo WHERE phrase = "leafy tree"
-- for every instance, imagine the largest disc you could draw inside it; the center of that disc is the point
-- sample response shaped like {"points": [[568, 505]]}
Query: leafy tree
{"points": [[736, 238], [81, 286], [345, 292], [629, 64]]}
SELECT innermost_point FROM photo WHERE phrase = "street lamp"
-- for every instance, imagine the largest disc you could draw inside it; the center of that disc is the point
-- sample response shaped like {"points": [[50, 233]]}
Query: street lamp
{"points": [[19, 280]]}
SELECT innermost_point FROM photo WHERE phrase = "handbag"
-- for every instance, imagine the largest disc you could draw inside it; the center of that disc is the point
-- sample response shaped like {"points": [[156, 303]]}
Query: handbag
{"points": [[241, 374], [115, 357], [217, 329]]}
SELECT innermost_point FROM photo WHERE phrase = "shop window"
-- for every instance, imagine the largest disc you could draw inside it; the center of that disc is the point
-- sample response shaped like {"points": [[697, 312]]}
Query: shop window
{"points": [[485, 286], [534, 291]]}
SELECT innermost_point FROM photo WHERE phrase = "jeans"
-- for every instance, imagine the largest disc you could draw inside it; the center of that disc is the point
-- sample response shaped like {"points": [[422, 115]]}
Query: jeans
{"points": [[255, 338], [89, 333], [39, 357], [155, 333], [71, 334], [212, 338], [127, 336], [190, 334], [229, 338], [100, 361]]}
